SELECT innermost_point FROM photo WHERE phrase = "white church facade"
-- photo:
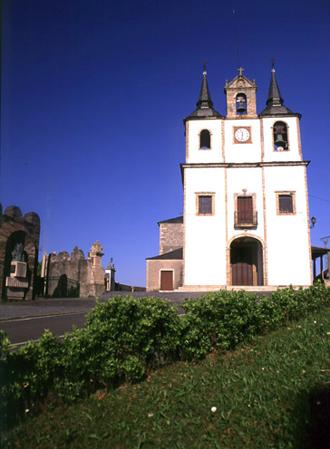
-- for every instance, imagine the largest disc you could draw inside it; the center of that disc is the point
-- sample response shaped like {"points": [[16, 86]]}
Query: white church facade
{"points": [[245, 216]]}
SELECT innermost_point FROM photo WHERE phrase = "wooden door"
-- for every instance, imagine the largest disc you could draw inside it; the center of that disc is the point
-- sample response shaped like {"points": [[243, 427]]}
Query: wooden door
{"points": [[166, 280], [242, 265], [244, 210]]}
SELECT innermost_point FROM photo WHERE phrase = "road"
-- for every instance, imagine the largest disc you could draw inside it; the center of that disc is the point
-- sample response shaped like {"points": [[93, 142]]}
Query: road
{"points": [[20, 330], [24, 321]]}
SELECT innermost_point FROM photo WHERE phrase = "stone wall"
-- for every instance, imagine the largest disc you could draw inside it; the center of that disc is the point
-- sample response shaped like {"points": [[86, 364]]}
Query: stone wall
{"points": [[66, 273], [170, 237], [74, 275], [154, 267], [16, 228], [241, 84]]}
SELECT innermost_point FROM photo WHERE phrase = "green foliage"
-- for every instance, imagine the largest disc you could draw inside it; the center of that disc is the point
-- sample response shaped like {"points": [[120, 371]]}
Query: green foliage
{"points": [[222, 320], [126, 337], [28, 375], [265, 395], [4, 345]]}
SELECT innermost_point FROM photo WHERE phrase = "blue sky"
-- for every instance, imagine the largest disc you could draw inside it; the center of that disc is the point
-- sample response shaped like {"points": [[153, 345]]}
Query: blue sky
{"points": [[94, 93]]}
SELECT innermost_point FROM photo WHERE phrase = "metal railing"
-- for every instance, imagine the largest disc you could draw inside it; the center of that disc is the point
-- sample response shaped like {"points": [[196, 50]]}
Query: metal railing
{"points": [[245, 220]]}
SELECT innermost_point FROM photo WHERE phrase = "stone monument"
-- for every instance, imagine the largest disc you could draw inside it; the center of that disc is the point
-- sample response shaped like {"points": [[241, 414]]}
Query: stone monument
{"points": [[17, 283]]}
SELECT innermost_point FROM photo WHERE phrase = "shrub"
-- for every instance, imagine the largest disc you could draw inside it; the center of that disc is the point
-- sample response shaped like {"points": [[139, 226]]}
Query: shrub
{"points": [[122, 339], [28, 375], [222, 320], [125, 337]]}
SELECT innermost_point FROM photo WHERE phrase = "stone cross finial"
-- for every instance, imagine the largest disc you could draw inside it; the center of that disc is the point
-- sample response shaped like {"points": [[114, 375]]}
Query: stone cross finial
{"points": [[240, 71]]}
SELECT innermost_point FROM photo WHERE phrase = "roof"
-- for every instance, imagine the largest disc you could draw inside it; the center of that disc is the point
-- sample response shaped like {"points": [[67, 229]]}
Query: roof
{"points": [[177, 254], [204, 104], [172, 220], [275, 103], [319, 251], [240, 81]]}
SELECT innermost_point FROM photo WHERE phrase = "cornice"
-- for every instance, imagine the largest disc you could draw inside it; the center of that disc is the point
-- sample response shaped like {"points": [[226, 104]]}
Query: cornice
{"points": [[243, 165]]}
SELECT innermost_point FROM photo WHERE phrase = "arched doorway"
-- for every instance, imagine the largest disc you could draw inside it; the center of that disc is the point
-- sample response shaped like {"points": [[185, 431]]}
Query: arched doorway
{"points": [[246, 261]]}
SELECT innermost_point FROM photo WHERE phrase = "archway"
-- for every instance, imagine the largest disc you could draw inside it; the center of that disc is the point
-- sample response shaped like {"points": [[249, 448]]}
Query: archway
{"points": [[246, 261]]}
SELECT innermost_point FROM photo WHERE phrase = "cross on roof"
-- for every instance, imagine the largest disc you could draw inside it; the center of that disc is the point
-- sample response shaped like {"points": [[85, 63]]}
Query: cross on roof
{"points": [[240, 71]]}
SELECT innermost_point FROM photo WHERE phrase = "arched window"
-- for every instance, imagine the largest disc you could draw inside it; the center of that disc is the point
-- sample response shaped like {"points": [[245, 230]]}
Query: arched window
{"points": [[205, 139], [280, 135], [241, 104]]}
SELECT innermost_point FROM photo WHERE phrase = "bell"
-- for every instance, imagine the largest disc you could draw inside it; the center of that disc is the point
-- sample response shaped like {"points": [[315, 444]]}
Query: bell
{"points": [[279, 140], [241, 107]]}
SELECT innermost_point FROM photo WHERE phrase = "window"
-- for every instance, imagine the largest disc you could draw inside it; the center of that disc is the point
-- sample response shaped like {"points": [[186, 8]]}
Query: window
{"points": [[245, 214], [204, 204], [280, 135], [205, 140], [286, 203], [241, 104]]}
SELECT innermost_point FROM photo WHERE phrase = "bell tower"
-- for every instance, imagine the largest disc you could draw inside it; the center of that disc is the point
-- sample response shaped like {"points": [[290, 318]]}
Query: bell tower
{"points": [[241, 97]]}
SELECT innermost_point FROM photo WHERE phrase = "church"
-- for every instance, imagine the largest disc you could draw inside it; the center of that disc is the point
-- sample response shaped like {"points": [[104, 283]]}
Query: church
{"points": [[245, 216]]}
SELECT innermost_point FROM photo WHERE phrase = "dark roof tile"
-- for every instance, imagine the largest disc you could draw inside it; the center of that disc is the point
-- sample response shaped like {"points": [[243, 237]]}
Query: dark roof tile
{"points": [[177, 254]]}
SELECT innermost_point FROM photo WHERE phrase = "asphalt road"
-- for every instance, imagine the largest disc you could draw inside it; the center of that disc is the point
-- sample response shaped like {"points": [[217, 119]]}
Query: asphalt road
{"points": [[21, 330]]}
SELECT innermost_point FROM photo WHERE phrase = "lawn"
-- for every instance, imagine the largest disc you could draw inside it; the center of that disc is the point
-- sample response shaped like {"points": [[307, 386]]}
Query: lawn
{"points": [[267, 394]]}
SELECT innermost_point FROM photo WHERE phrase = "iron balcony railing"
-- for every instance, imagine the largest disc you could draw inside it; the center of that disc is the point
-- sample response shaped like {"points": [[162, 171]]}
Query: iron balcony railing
{"points": [[245, 220]]}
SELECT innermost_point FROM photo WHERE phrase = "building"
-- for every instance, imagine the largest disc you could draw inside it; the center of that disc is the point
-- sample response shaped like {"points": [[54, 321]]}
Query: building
{"points": [[246, 217]]}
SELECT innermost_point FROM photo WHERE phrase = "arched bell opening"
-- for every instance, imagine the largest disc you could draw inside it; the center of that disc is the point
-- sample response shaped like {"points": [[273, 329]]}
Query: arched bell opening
{"points": [[241, 104], [205, 139], [246, 261], [280, 136]]}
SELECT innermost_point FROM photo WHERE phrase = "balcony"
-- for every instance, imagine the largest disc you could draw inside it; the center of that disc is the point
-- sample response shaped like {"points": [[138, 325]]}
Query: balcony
{"points": [[245, 220]]}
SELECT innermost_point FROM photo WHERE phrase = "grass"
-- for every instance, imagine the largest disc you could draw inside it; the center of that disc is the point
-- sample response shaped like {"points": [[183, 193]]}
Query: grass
{"points": [[262, 393]]}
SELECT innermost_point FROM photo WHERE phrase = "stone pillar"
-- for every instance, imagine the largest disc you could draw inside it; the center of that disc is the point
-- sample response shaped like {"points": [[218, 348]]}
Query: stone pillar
{"points": [[96, 273]]}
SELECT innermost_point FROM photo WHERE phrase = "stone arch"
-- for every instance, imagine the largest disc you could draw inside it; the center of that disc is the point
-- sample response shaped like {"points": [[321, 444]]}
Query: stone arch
{"points": [[246, 261]]}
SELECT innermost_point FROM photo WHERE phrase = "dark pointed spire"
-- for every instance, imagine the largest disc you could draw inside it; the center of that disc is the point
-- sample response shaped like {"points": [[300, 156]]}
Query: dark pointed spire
{"points": [[204, 104], [275, 103], [204, 100], [274, 95]]}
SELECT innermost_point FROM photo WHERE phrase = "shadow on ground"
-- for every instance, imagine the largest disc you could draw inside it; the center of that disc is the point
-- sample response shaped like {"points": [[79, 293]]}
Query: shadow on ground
{"points": [[313, 414]]}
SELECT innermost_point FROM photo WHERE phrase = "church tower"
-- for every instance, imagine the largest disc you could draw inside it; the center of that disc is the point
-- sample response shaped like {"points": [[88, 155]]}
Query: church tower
{"points": [[246, 218]]}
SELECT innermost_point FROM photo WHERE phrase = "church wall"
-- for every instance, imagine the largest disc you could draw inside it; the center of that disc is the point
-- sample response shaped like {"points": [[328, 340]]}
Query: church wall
{"points": [[287, 234], [205, 236], [242, 152], [293, 154], [170, 237], [194, 153], [249, 179]]}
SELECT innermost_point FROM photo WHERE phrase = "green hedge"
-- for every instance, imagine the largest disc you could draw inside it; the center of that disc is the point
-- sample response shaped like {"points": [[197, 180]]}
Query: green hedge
{"points": [[222, 320], [125, 337]]}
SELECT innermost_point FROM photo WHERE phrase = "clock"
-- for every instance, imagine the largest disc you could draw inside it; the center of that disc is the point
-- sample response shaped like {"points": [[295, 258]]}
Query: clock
{"points": [[242, 135]]}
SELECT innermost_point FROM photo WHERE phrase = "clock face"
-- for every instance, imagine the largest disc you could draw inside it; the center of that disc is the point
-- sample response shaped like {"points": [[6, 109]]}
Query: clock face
{"points": [[242, 134]]}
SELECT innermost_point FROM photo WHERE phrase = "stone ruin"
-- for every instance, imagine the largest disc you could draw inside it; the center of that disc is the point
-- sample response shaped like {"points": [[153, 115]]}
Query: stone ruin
{"points": [[73, 275], [19, 245]]}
